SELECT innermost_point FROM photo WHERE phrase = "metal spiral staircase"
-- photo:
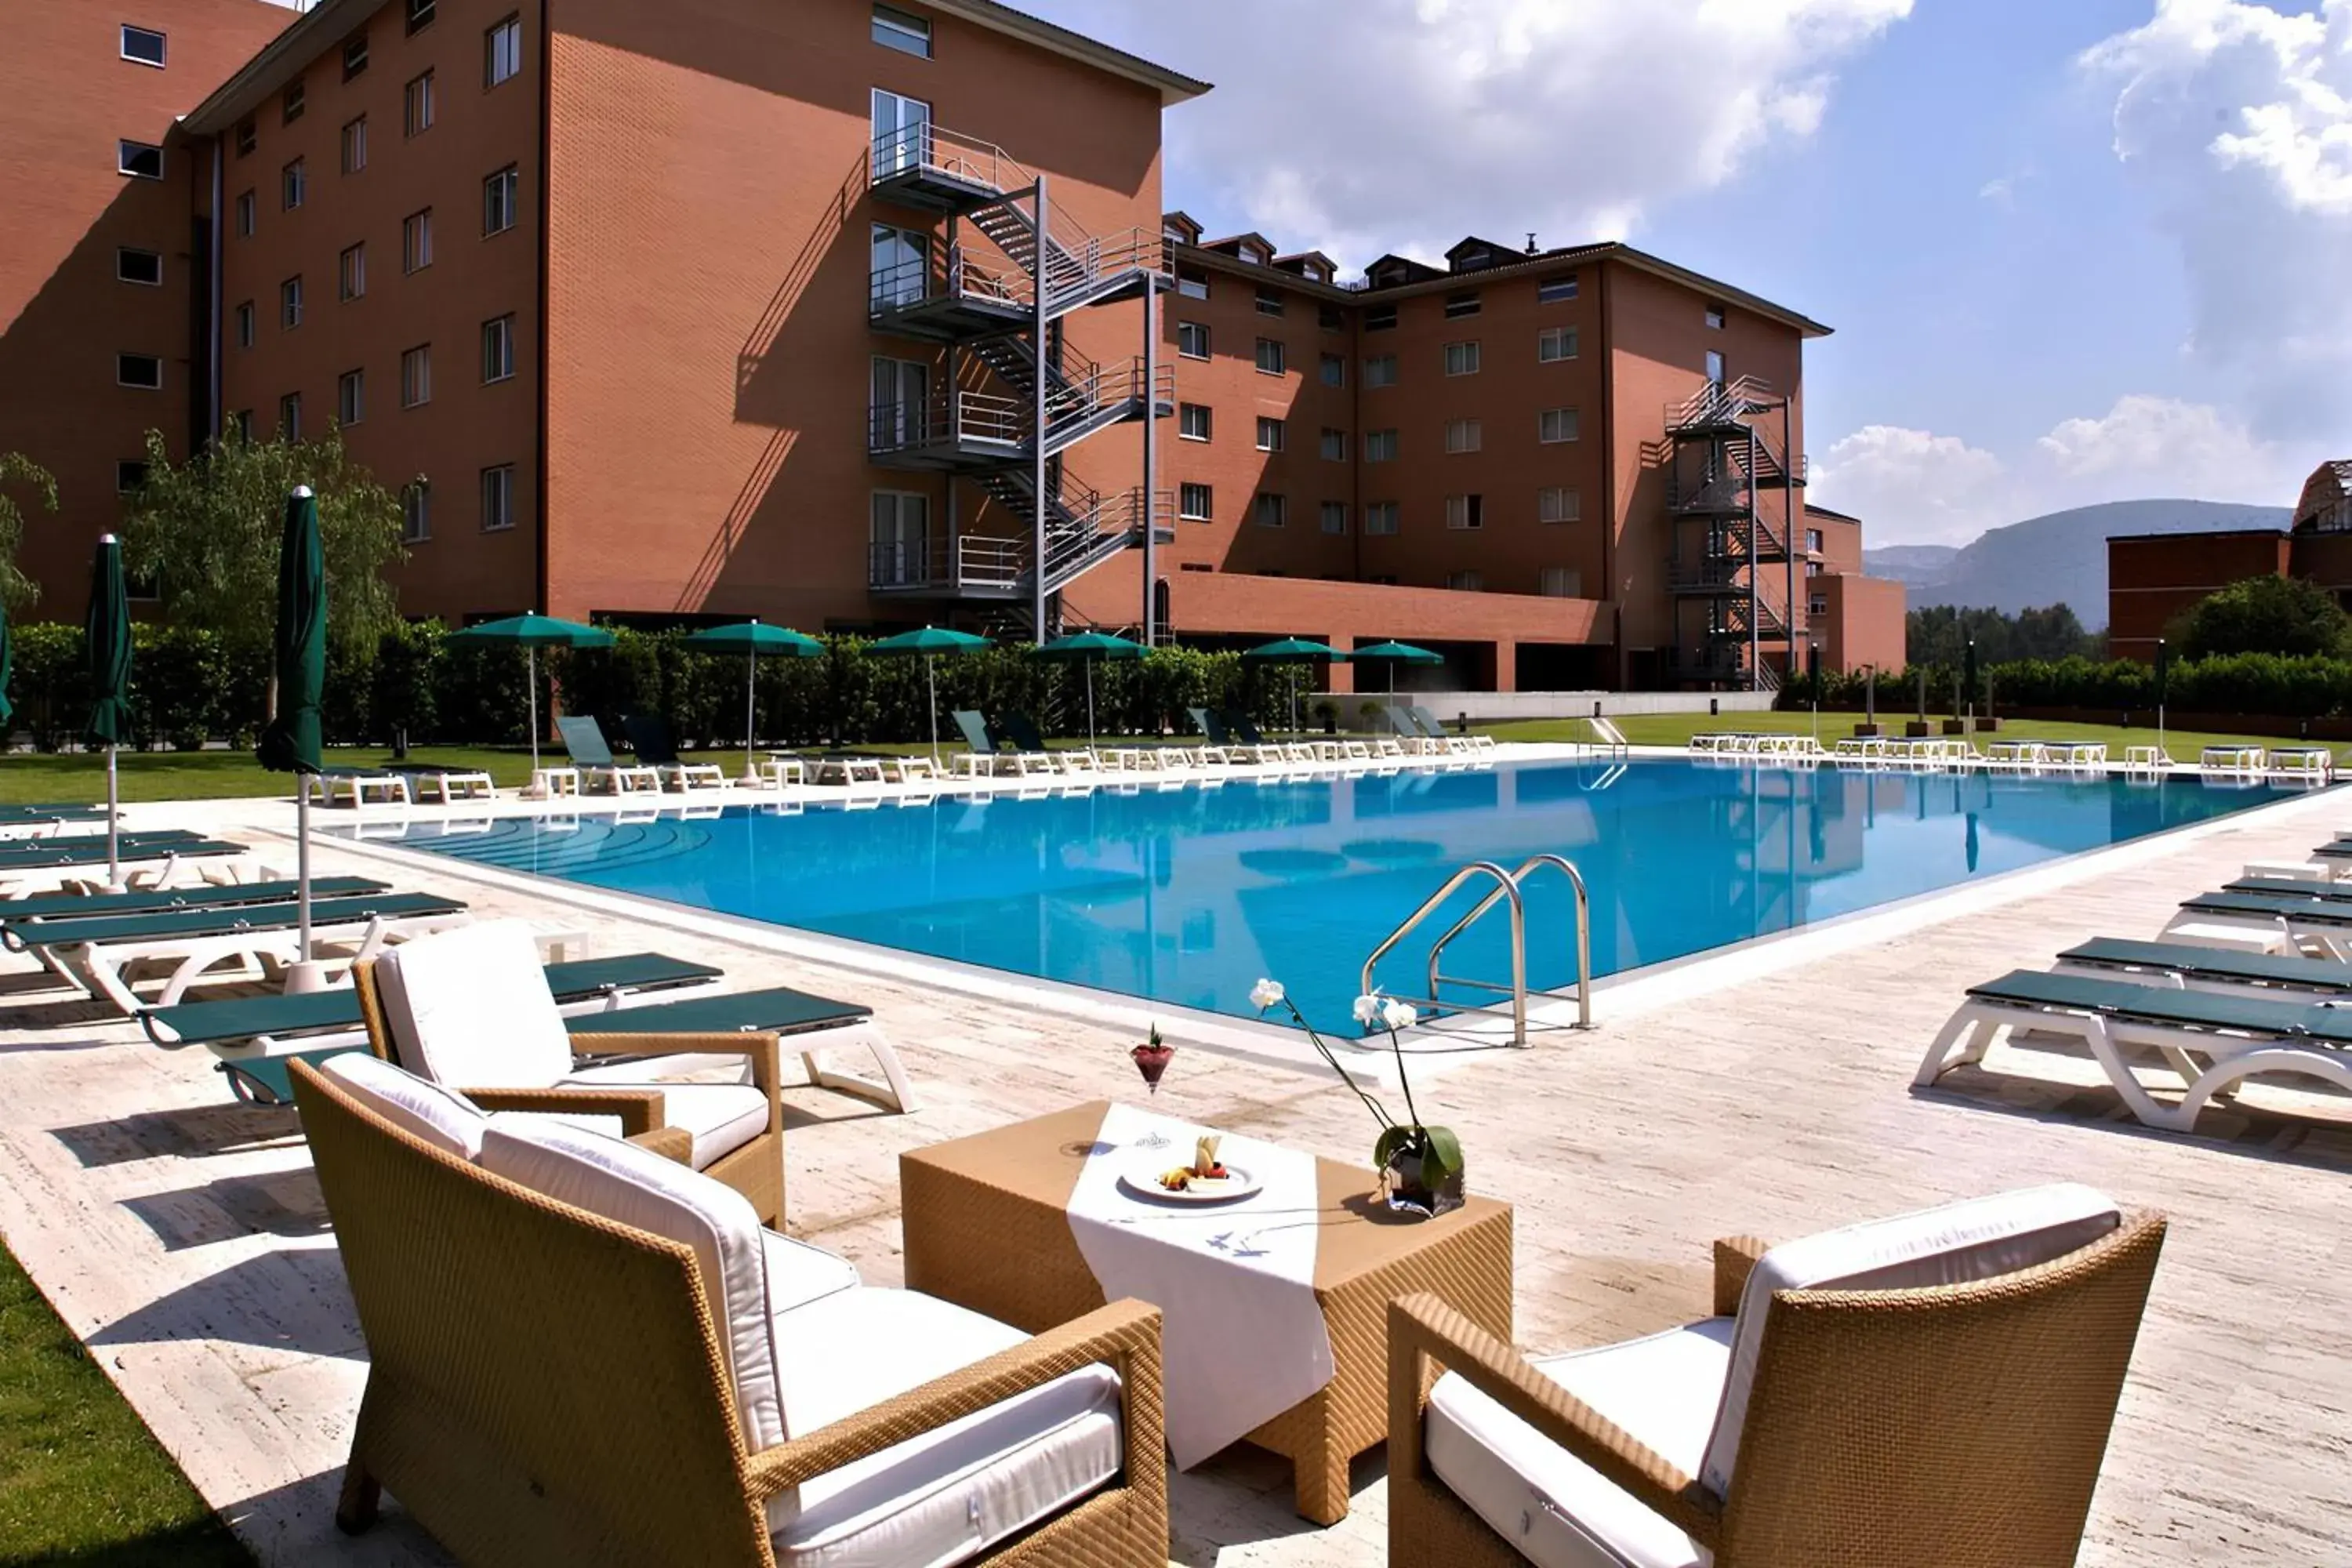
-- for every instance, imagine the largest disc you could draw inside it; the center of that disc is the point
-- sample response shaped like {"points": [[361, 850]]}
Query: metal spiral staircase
{"points": [[1009, 395], [1721, 456]]}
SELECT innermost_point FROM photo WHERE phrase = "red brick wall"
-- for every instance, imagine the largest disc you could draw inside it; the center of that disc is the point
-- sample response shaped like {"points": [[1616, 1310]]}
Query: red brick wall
{"points": [[1862, 621], [2151, 579]]}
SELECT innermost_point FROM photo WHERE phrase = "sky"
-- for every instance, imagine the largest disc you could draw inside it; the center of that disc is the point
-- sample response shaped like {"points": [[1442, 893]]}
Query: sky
{"points": [[2073, 250]]}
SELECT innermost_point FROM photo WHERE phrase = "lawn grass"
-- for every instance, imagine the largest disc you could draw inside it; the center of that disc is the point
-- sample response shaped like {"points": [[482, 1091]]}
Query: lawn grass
{"points": [[82, 1481], [1676, 729], [80, 776]]}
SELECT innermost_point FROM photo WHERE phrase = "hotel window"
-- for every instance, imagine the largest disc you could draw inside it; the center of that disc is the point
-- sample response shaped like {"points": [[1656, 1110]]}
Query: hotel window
{"points": [[1193, 421], [1715, 371], [1461, 304], [351, 271], [1814, 540], [1335, 516], [289, 416], [1269, 435], [501, 51], [1192, 283], [139, 160], [133, 266], [1561, 583], [293, 186], [1813, 568], [1334, 369], [1380, 517], [416, 375], [1251, 254], [1555, 343], [1380, 319], [1461, 359], [355, 57], [1269, 302], [1331, 318], [501, 193], [350, 397], [1553, 290], [1714, 317], [290, 301], [246, 207], [1379, 446], [417, 105], [129, 475], [420, 15], [1192, 340], [245, 325], [1381, 369], [1271, 510], [497, 498], [144, 372], [1554, 425], [242, 423], [1335, 444], [1465, 436], [898, 538], [1193, 502], [497, 348], [897, 30], [899, 273], [248, 138], [1465, 512], [355, 145], [290, 103], [1465, 582], [1271, 358], [1817, 607], [416, 241], [1558, 504], [143, 46], [415, 511]]}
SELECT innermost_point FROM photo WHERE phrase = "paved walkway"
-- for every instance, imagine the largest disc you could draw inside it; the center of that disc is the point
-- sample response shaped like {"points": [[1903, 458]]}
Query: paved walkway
{"points": [[1767, 1093]]}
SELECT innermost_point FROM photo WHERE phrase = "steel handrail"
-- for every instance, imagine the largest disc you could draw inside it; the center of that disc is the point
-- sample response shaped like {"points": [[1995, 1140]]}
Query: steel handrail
{"points": [[1519, 965], [1506, 886]]}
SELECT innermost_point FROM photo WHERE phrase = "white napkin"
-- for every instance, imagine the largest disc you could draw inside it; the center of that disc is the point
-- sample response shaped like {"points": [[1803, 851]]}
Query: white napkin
{"points": [[1242, 1339]]}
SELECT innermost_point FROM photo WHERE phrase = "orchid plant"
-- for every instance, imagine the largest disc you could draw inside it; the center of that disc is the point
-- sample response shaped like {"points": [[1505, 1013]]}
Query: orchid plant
{"points": [[1433, 1153]]}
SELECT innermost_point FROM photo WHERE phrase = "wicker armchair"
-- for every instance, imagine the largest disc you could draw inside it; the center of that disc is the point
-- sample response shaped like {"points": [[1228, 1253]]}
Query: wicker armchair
{"points": [[546, 1386], [1956, 1425], [500, 1039]]}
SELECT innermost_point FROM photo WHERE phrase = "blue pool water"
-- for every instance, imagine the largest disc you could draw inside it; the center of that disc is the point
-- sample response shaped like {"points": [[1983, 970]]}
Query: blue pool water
{"points": [[1188, 895]]}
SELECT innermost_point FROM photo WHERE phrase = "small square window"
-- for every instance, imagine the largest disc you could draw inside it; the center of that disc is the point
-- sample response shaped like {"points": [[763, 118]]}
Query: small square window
{"points": [[1269, 435], [1558, 504], [420, 15], [129, 475], [247, 137], [416, 375], [1194, 502], [503, 51], [1335, 446], [350, 397], [903, 31], [1192, 283], [355, 145], [1272, 360], [497, 498], [351, 271], [290, 301], [1192, 340], [290, 103], [1553, 290], [1380, 319], [417, 105], [1465, 436], [501, 195], [355, 55], [1461, 304], [133, 266], [143, 46], [1270, 509], [415, 512], [1461, 359], [1561, 583], [1193, 421], [144, 372], [139, 160], [497, 349], [1465, 512], [1714, 317], [1557, 424], [1331, 318], [1379, 446], [1335, 516], [293, 186], [1334, 369], [416, 241], [246, 207], [1555, 343], [1381, 369], [1380, 517], [289, 416], [245, 324], [1464, 582], [1269, 302], [1251, 254]]}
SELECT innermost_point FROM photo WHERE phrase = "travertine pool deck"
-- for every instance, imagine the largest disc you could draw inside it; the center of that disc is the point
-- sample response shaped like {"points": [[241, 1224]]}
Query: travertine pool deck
{"points": [[1765, 1092]]}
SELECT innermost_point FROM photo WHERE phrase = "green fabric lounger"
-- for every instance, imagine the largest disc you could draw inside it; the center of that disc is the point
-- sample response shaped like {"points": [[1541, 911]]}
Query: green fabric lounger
{"points": [[2324, 892], [813, 1025], [19, 918], [83, 846], [161, 924], [53, 812], [2211, 1040], [584, 740], [2212, 966]]}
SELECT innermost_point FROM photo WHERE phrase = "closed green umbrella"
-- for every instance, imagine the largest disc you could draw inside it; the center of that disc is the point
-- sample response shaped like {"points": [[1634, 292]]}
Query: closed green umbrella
{"points": [[290, 744], [1089, 647], [931, 642], [1393, 654], [1295, 651], [534, 632], [7, 671], [752, 638], [106, 641], [1969, 675]]}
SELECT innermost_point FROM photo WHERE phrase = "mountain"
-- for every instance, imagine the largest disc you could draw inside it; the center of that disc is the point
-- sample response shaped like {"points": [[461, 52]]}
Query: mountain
{"points": [[2058, 559]]}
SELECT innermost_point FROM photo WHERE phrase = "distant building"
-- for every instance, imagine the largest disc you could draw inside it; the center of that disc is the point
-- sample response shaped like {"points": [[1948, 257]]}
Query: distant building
{"points": [[2153, 577]]}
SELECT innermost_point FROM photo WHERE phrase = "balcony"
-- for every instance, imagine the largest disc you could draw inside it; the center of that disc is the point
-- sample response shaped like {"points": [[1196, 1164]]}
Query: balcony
{"points": [[953, 300], [938, 169], [970, 566], [958, 433]]}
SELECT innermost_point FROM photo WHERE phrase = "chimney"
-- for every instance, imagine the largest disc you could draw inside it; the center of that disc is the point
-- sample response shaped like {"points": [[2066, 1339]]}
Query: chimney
{"points": [[1531, 242]]}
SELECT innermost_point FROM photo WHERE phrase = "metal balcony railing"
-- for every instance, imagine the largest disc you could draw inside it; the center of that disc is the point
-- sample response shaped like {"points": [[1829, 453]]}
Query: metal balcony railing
{"points": [[933, 149]]}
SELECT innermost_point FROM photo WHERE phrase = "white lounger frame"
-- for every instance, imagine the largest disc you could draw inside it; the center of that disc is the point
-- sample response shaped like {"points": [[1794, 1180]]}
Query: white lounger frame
{"points": [[97, 968]]}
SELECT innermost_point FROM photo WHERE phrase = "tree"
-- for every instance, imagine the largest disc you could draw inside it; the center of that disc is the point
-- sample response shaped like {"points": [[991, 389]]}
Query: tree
{"points": [[1941, 634], [206, 532], [17, 590], [2263, 615]]}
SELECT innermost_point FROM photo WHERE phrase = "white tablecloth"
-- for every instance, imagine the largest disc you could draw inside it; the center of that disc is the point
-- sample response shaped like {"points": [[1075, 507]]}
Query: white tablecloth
{"points": [[1242, 1339]]}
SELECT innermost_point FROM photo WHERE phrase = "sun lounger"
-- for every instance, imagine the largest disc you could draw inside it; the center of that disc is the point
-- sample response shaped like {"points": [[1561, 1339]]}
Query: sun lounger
{"points": [[1256, 748], [1471, 740], [815, 1026], [357, 785], [429, 783], [844, 768], [1022, 731], [61, 862], [2232, 759], [2211, 1041], [22, 918], [1217, 741], [22, 822], [583, 739], [984, 752], [2209, 968], [2267, 922], [649, 737], [2303, 762], [255, 1037]]}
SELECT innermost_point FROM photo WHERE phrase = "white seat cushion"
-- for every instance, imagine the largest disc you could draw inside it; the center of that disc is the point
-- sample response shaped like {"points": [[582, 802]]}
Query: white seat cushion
{"points": [[469, 1006], [441, 1116], [799, 1273], [1553, 1508], [1957, 1244], [635, 1187], [721, 1117], [949, 1494]]}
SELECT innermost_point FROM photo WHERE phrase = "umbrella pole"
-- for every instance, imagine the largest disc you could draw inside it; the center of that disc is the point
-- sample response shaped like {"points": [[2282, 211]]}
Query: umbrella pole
{"points": [[301, 868], [932, 685], [750, 708], [113, 825], [1090, 705], [532, 655]]}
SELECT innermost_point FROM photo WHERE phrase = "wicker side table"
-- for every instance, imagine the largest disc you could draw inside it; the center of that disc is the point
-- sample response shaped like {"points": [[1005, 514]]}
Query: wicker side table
{"points": [[987, 1227]]}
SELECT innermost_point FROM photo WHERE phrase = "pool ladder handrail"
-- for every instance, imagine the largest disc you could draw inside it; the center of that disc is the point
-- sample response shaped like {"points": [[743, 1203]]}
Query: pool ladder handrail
{"points": [[1507, 887]]}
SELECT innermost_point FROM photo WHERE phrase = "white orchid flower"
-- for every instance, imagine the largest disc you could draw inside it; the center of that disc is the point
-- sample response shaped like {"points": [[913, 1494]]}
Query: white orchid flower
{"points": [[1399, 1014], [1265, 993], [1368, 1009]]}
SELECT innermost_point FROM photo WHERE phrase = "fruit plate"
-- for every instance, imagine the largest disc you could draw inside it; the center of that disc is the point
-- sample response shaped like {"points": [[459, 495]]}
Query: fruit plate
{"points": [[1144, 1183]]}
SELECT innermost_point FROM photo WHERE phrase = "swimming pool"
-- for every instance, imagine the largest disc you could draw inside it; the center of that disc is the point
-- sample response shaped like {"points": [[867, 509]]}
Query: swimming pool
{"points": [[1188, 895]]}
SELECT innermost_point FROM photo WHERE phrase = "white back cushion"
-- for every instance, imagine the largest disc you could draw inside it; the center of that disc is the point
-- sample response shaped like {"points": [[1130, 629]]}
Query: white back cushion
{"points": [[623, 1183], [470, 1005], [1959, 1244], [441, 1116]]}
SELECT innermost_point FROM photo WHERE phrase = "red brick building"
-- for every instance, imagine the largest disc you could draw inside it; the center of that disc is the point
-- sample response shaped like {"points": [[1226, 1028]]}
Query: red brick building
{"points": [[721, 308], [2152, 578]]}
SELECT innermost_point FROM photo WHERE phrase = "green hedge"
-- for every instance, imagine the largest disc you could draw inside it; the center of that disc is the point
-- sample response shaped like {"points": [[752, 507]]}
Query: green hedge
{"points": [[2291, 687], [191, 687]]}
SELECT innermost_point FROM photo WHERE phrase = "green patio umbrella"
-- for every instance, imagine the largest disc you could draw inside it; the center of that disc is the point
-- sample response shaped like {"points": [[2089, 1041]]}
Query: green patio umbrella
{"points": [[105, 640], [534, 632], [752, 638], [1393, 654], [290, 744], [7, 672], [1088, 647], [1295, 651], [931, 642]]}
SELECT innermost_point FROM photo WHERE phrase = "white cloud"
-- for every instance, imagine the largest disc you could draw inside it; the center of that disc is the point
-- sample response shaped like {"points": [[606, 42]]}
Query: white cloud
{"points": [[1912, 487], [1405, 124]]}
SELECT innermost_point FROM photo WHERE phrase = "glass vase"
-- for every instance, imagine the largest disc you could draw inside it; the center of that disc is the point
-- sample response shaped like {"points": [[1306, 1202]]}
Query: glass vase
{"points": [[1407, 1193]]}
